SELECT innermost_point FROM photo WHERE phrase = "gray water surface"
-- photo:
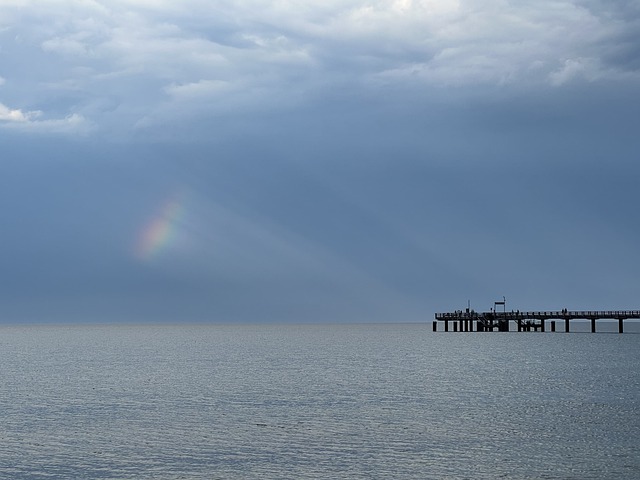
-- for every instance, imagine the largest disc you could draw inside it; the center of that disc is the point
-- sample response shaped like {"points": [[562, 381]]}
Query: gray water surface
{"points": [[316, 401]]}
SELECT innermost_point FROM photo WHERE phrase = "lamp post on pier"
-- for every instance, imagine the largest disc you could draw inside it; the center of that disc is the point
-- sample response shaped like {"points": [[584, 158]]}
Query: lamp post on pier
{"points": [[503, 324]]}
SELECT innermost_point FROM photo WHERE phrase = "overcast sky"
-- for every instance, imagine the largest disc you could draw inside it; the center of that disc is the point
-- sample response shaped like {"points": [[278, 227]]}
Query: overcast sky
{"points": [[333, 161]]}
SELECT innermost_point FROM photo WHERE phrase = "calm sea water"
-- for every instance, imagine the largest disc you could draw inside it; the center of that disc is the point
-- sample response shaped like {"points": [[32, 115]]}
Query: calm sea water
{"points": [[330, 401]]}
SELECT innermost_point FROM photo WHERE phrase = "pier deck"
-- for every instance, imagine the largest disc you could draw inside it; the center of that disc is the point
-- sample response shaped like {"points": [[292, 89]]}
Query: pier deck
{"points": [[527, 321]]}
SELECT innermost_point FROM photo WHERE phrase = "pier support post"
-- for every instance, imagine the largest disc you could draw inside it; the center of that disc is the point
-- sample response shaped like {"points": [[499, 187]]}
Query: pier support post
{"points": [[566, 325], [455, 326], [542, 322], [553, 325], [446, 325], [435, 325], [593, 325], [620, 325]]}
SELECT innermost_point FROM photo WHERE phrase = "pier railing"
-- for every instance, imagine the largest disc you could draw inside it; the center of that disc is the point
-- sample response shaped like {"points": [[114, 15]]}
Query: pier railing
{"points": [[547, 315]]}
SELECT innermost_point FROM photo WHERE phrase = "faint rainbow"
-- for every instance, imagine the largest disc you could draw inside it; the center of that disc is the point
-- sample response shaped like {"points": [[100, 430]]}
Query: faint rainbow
{"points": [[161, 231]]}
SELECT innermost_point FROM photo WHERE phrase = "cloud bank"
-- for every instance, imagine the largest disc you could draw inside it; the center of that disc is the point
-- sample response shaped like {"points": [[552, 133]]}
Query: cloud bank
{"points": [[131, 64]]}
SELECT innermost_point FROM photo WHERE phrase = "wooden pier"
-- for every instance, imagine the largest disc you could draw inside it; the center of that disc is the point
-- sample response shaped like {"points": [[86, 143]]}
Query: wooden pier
{"points": [[470, 321]]}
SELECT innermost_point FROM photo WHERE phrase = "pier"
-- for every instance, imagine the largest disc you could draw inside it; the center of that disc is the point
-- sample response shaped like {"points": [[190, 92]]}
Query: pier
{"points": [[471, 321]]}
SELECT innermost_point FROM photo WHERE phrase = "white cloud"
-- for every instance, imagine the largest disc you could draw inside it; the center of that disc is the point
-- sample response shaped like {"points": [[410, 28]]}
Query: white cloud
{"points": [[202, 88], [71, 124], [28, 121], [575, 68], [16, 115], [73, 45]]}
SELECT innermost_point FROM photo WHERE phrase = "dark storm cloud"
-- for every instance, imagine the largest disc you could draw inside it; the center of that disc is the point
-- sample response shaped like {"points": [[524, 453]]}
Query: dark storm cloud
{"points": [[260, 161]]}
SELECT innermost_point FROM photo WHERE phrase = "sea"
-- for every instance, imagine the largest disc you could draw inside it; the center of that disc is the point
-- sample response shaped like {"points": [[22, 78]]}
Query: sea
{"points": [[348, 401]]}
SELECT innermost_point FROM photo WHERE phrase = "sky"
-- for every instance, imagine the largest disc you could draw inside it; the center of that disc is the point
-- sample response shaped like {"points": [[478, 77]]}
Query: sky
{"points": [[336, 161]]}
